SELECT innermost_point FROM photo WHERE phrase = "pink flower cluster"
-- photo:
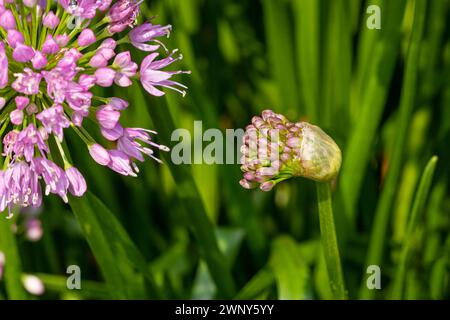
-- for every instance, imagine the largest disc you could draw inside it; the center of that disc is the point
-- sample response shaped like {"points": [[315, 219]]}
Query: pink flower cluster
{"points": [[48, 69]]}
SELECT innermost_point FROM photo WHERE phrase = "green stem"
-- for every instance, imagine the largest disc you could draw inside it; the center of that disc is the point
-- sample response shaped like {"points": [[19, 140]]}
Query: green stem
{"points": [[329, 241]]}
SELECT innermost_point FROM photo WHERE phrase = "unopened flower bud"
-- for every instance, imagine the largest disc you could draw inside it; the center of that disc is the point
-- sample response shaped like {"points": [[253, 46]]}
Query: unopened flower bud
{"points": [[275, 149]]}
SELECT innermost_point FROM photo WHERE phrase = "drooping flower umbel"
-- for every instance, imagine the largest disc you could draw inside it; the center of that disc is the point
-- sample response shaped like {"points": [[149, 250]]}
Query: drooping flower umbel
{"points": [[275, 149], [52, 55]]}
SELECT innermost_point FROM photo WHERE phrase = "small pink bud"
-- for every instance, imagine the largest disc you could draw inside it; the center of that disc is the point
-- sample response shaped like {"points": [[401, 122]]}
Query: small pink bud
{"points": [[267, 186], [30, 3], [21, 102], [39, 60], [105, 77], [77, 185], [107, 116], [50, 46], [109, 43], [117, 103], [33, 229], [294, 142], [246, 184], [3, 66], [7, 20], [98, 61], [23, 53], [15, 37], [120, 163], [31, 109], [16, 117], [99, 154], [112, 134], [87, 81], [86, 38], [62, 40], [33, 285], [51, 21]]}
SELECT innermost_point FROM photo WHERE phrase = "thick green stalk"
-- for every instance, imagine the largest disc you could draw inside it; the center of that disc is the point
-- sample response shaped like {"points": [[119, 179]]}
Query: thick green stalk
{"points": [[329, 241]]}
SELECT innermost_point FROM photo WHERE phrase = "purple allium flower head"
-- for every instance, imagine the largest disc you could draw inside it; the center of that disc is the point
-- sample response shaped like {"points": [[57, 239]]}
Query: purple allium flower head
{"points": [[47, 80]]}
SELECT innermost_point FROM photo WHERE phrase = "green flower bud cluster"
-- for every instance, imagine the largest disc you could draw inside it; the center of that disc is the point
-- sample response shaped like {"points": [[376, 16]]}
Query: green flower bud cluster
{"points": [[275, 149]]}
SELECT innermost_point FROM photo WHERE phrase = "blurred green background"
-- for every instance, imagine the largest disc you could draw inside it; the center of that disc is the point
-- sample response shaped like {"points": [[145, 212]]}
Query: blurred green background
{"points": [[182, 232]]}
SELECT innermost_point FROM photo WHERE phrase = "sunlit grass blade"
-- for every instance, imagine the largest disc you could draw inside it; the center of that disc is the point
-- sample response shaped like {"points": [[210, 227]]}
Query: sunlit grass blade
{"points": [[229, 241], [121, 263], [407, 104], [89, 289], [308, 53], [439, 279], [291, 273], [280, 49], [417, 209], [364, 56], [337, 67], [434, 216], [415, 146], [260, 282], [13, 264], [197, 217], [359, 148]]}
